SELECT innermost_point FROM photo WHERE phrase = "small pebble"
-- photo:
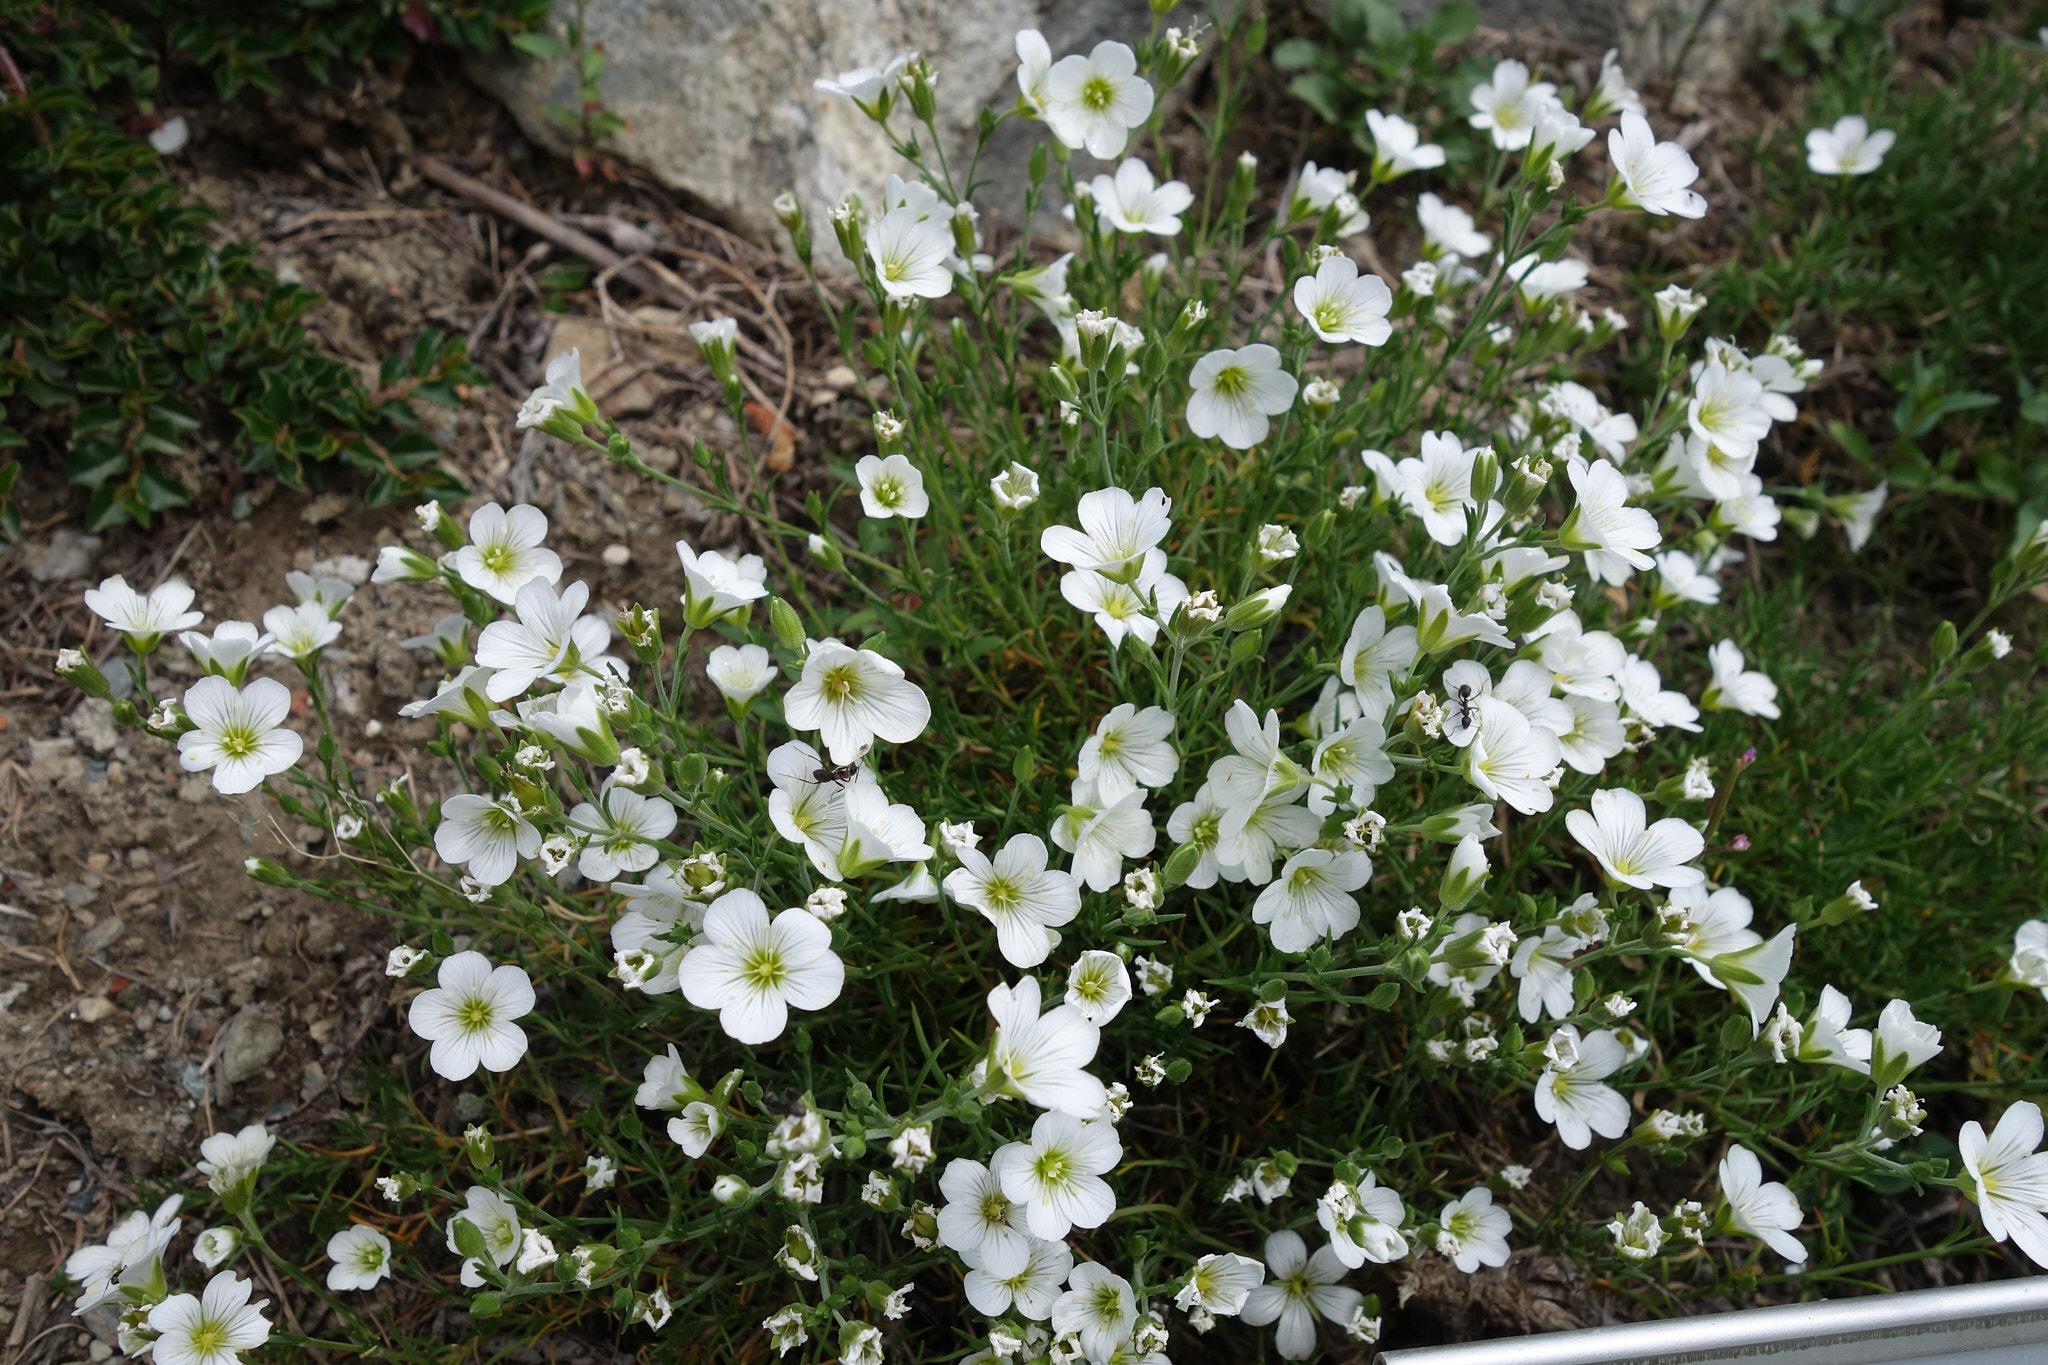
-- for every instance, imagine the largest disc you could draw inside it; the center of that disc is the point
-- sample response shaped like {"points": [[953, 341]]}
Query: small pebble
{"points": [[618, 556], [94, 1008]]}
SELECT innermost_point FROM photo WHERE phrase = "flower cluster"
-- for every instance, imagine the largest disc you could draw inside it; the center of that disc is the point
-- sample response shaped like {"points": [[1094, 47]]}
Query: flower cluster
{"points": [[1390, 677]]}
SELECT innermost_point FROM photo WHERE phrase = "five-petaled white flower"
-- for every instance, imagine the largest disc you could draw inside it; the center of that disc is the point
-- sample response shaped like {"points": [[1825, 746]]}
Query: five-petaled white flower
{"points": [[144, 620], [1630, 849], [1473, 1232], [1437, 485], [1311, 898], [1572, 1091], [1098, 986], [1507, 105], [1602, 520], [241, 734], [1448, 231], [891, 487], [1117, 532], [852, 697], [1133, 202], [1848, 148], [210, 1328], [1220, 1283], [505, 551], [1653, 176], [1099, 1309], [740, 672], [489, 837], [1737, 688], [300, 632], [469, 1016], [1040, 1056], [1095, 101], [1298, 1288], [620, 836], [1340, 305], [1129, 750], [717, 585], [1764, 1209], [562, 390], [1398, 147], [1019, 894], [1235, 393], [910, 251], [1726, 411], [1056, 1177], [751, 969], [2009, 1179], [359, 1257]]}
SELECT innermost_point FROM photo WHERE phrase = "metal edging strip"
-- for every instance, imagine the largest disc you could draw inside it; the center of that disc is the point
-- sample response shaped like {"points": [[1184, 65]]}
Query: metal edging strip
{"points": [[1864, 1331]]}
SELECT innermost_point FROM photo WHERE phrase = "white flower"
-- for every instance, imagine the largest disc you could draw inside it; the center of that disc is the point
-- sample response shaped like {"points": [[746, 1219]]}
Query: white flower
{"points": [[1154, 978], [1639, 1235], [1132, 202], [1679, 580], [1651, 175], [1098, 986], [740, 672], [2029, 965], [1095, 101], [1540, 965], [359, 1257], [229, 651], [1508, 759], [1318, 188], [469, 1016], [144, 620], [1034, 63], [1100, 835], [1611, 93], [211, 1328], [1848, 148], [1099, 1309], [1339, 305], [493, 1216], [1300, 1286], [1032, 1287], [1632, 851], [1539, 281], [1763, 1209], [1438, 486], [551, 638], [1374, 658], [979, 1221], [621, 837], [1472, 1232], [1736, 688], [1447, 230], [1603, 520], [209, 1248], [696, 1128], [891, 487], [1056, 1178], [910, 254], [852, 698], [1311, 898], [1268, 1021], [1129, 750], [1556, 135], [1571, 1092], [1858, 513], [1117, 532], [1220, 1283], [1040, 1057], [718, 585], [1015, 489], [2010, 1178], [241, 734], [1018, 894], [140, 1238], [1726, 411], [865, 85], [751, 969], [1507, 104], [299, 632], [562, 390], [1235, 392], [1900, 1043], [1364, 1222], [231, 1159], [1398, 147], [488, 836], [505, 552]]}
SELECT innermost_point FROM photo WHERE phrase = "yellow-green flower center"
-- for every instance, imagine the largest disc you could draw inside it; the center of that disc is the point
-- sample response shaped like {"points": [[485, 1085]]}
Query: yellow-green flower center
{"points": [[763, 969], [1098, 94], [1232, 381]]}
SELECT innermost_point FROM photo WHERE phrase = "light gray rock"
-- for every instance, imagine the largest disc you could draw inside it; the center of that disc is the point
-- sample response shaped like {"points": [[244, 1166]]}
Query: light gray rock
{"points": [[718, 92], [249, 1049], [69, 554]]}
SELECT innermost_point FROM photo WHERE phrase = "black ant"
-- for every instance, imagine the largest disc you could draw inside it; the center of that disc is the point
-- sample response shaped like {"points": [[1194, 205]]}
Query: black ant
{"points": [[1464, 699], [845, 772]]}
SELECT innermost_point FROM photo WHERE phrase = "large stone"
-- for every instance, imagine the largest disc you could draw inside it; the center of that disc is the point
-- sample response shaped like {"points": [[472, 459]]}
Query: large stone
{"points": [[718, 92]]}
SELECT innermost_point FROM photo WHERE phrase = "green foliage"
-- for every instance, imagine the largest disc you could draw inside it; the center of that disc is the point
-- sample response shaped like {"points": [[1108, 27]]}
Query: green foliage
{"points": [[121, 314], [1938, 251], [1375, 59]]}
